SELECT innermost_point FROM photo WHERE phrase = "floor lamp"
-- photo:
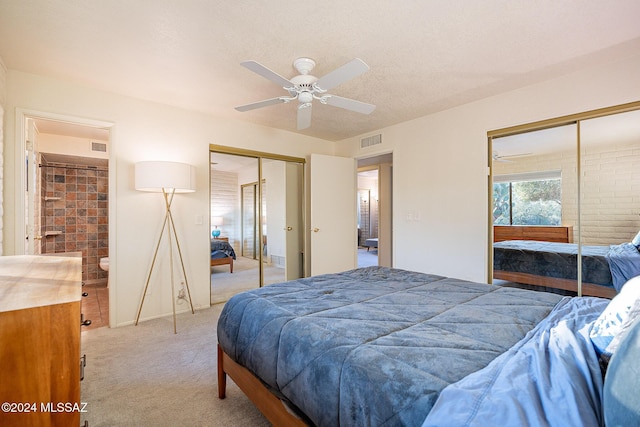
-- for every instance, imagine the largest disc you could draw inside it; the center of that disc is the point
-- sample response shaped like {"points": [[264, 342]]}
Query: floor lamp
{"points": [[168, 178]]}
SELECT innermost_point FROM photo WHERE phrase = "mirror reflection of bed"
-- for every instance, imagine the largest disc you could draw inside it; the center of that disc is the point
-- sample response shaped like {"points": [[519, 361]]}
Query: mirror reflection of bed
{"points": [[551, 199]]}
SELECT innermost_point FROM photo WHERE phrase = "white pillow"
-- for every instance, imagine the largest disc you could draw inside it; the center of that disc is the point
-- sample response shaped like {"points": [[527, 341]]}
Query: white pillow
{"points": [[617, 313]]}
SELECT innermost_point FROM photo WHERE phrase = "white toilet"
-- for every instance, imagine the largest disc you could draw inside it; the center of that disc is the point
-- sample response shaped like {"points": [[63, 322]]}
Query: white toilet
{"points": [[104, 263]]}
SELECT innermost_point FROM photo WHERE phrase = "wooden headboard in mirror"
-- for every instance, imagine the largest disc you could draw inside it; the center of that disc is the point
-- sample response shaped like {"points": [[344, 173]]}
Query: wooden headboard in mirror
{"points": [[562, 234]]}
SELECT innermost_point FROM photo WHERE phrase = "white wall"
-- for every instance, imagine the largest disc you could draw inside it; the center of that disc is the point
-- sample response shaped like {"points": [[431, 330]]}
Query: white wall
{"points": [[142, 131], [69, 146], [443, 227]]}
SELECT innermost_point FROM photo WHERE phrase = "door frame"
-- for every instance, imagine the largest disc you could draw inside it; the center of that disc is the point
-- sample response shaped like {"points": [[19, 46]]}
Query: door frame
{"points": [[20, 179], [22, 114]]}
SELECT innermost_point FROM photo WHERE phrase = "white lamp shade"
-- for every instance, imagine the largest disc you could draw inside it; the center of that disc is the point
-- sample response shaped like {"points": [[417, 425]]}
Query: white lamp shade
{"points": [[158, 175], [217, 220]]}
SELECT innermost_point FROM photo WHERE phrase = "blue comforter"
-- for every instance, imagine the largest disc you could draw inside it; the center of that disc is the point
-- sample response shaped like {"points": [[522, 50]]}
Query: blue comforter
{"points": [[624, 262], [374, 346], [553, 259], [550, 378], [221, 249]]}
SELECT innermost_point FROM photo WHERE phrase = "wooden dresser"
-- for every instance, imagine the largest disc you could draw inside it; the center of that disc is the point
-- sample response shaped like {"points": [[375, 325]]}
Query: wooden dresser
{"points": [[40, 340]]}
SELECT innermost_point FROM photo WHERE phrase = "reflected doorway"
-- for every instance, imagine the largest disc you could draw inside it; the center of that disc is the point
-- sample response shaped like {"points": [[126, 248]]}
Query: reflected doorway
{"points": [[250, 235], [374, 210]]}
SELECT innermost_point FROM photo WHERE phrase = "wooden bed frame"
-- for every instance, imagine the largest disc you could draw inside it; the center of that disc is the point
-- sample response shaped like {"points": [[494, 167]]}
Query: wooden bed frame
{"points": [[223, 261], [588, 289], [271, 407], [562, 234]]}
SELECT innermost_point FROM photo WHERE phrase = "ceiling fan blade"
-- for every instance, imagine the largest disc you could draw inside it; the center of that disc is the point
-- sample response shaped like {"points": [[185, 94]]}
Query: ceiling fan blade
{"points": [[350, 104], [304, 116], [351, 69], [500, 159], [516, 155], [260, 104], [267, 73]]}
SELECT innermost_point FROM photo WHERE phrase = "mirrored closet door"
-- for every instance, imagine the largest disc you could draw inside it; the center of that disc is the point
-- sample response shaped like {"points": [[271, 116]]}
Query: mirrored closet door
{"points": [[535, 207], [562, 199], [256, 205], [609, 199]]}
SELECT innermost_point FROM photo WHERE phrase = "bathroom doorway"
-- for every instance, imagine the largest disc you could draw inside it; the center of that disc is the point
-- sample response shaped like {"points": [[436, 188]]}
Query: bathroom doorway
{"points": [[374, 210], [67, 202]]}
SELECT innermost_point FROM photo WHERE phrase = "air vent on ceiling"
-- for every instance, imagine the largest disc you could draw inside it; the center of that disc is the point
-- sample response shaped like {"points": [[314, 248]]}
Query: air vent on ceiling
{"points": [[99, 146], [371, 140]]}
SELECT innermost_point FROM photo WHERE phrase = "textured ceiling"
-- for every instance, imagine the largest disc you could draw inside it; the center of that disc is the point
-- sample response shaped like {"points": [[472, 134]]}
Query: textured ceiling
{"points": [[425, 55]]}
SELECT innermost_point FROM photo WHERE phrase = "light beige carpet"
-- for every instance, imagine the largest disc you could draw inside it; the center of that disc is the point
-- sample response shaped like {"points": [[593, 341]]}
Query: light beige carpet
{"points": [[146, 375], [245, 276]]}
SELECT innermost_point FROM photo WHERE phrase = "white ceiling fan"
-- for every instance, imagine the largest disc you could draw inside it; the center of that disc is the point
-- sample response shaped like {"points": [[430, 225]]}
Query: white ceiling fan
{"points": [[505, 158], [305, 88]]}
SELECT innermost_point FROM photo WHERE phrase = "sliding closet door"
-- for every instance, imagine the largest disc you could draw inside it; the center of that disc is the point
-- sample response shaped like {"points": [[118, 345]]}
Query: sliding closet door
{"points": [[233, 201], [260, 199], [535, 202], [282, 231], [596, 156], [294, 220], [273, 221], [610, 189]]}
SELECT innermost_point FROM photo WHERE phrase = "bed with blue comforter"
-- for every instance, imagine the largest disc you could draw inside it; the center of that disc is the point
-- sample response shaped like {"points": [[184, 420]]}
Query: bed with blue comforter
{"points": [[384, 347], [222, 253]]}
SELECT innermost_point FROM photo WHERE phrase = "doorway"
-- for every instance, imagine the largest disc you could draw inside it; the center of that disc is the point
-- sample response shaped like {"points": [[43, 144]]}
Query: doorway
{"points": [[67, 201], [374, 210]]}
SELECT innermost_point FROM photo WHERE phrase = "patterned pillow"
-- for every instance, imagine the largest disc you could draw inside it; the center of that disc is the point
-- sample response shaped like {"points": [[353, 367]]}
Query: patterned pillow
{"points": [[634, 314], [618, 313]]}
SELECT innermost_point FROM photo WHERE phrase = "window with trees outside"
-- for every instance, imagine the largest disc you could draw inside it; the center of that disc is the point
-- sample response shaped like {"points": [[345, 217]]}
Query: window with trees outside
{"points": [[528, 199]]}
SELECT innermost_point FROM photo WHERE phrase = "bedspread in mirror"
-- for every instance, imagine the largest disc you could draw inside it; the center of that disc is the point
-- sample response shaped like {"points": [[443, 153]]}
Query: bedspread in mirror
{"points": [[553, 259], [221, 249]]}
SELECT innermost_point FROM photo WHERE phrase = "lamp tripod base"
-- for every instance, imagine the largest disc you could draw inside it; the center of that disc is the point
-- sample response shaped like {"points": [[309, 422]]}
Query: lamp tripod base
{"points": [[171, 231]]}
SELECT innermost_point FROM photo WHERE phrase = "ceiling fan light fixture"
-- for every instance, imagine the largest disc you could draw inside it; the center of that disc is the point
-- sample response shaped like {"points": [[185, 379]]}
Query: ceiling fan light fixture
{"points": [[305, 97]]}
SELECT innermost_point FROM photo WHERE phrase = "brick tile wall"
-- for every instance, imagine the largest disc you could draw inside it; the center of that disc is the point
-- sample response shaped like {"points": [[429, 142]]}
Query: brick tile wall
{"points": [[75, 203], [610, 189]]}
